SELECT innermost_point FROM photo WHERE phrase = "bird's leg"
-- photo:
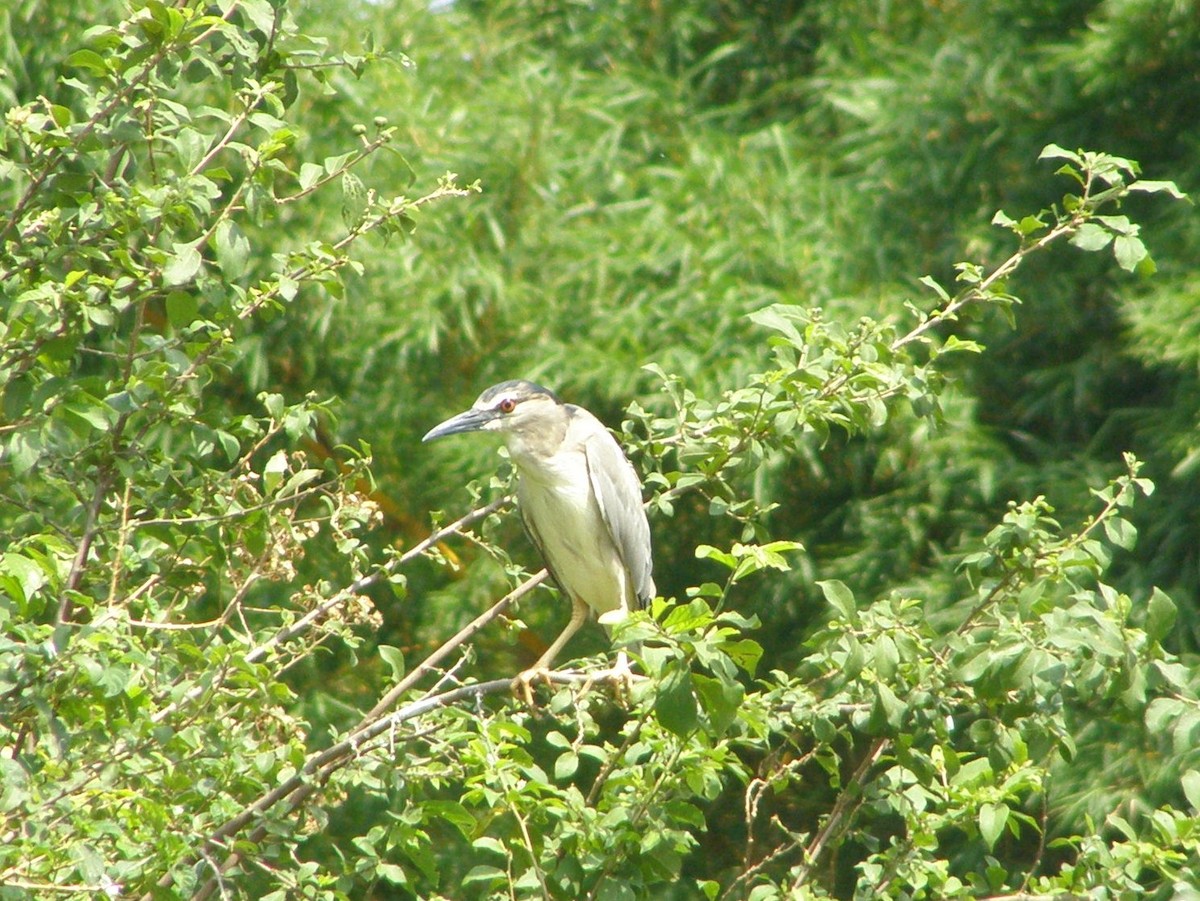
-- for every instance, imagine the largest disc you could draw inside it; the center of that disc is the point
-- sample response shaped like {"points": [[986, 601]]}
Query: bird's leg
{"points": [[622, 675], [522, 683]]}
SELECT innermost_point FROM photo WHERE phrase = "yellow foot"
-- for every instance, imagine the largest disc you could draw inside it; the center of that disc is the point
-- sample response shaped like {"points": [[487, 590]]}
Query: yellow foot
{"points": [[522, 685], [622, 677]]}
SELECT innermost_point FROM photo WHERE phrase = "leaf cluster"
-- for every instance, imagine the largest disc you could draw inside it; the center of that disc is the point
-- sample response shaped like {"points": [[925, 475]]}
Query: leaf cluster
{"points": [[195, 570]]}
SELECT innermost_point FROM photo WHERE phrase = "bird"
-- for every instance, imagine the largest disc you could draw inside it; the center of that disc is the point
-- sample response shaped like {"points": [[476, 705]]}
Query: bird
{"points": [[580, 500]]}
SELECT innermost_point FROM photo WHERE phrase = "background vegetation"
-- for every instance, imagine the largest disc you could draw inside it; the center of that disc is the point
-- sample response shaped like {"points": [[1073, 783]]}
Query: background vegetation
{"points": [[920, 639]]}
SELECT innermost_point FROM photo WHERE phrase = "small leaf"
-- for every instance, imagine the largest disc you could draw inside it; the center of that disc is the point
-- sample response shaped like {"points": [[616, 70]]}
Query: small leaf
{"points": [[1129, 251], [394, 658], [273, 404], [840, 598], [310, 174], [1003, 220], [1029, 224], [721, 701], [1118, 225], [482, 873], [888, 708], [354, 200], [88, 59], [930, 282], [26, 573], [183, 265], [298, 480], [23, 452], [1121, 532], [274, 470], [233, 250], [615, 890], [1157, 187], [745, 653], [392, 873], [1054, 152], [97, 414], [1091, 237], [229, 445], [1160, 615], [675, 704], [182, 308], [489, 843], [992, 819], [708, 552], [566, 765], [1191, 788]]}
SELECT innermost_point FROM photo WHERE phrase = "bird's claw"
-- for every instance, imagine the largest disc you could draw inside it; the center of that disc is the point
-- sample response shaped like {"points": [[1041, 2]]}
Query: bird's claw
{"points": [[622, 677], [522, 684]]}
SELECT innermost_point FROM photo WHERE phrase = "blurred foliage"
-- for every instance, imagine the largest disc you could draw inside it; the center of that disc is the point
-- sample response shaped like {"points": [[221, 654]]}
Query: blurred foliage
{"points": [[924, 644]]}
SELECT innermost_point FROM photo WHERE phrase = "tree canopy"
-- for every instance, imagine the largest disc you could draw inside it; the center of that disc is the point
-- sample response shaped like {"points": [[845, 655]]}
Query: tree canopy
{"points": [[894, 307]]}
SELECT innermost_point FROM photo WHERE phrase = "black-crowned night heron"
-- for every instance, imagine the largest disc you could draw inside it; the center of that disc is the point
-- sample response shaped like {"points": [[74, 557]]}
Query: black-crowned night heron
{"points": [[579, 497]]}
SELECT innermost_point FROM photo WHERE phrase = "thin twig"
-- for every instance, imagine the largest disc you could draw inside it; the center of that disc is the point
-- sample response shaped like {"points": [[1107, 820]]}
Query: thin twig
{"points": [[322, 765]]}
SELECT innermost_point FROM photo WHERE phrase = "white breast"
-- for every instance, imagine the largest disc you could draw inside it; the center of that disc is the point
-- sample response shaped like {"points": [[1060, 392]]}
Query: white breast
{"points": [[556, 500]]}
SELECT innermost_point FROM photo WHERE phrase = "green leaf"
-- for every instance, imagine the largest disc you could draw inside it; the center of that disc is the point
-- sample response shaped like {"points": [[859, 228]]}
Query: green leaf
{"points": [[708, 552], [1091, 237], [25, 572], [95, 413], [298, 480], [24, 451], [233, 250], [1029, 224], [1120, 532], [720, 699], [260, 13], [490, 843], [888, 709], [744, 652], [930, 282], [392, 873], [615, 890], [840, 598], [273, 471], [273, 404], [1191, 788], [675, 704], [310, 174], [992, 820], [182, 265], [1054, 152], [482, 873], [1129, 251], [1160, 615], [89, 60], [1003, 220], [182, 308], [229, 446], [566, 765], [1118, 225], [394, 658], [354, 200], [780, 318], [1157, 187]]}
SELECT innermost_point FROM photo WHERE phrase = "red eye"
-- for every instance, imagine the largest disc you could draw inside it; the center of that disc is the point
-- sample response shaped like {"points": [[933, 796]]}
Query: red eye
{"points": [[507, 405]]}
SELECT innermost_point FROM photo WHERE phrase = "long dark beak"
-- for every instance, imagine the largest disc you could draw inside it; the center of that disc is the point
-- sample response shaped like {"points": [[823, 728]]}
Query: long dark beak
{"points": [[470, 421]]}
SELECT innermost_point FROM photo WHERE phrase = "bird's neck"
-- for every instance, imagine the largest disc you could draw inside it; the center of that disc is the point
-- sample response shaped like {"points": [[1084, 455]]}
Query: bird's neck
{"points": [[536, 449]]}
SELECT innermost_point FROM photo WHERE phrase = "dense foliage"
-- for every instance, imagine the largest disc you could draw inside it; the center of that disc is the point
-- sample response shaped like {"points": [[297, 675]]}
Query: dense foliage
{"points": [[928, 627]]}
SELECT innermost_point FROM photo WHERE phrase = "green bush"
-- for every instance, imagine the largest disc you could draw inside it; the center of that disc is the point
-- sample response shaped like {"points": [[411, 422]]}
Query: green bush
{"points": [[230, 661]]}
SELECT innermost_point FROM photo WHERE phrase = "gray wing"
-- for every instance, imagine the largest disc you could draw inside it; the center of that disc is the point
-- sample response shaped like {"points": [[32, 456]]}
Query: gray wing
{"points": [[619, 494]]}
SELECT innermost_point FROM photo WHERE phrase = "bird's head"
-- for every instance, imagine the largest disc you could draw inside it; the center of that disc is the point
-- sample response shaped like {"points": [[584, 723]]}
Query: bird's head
{"points": [[515, 409]]}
